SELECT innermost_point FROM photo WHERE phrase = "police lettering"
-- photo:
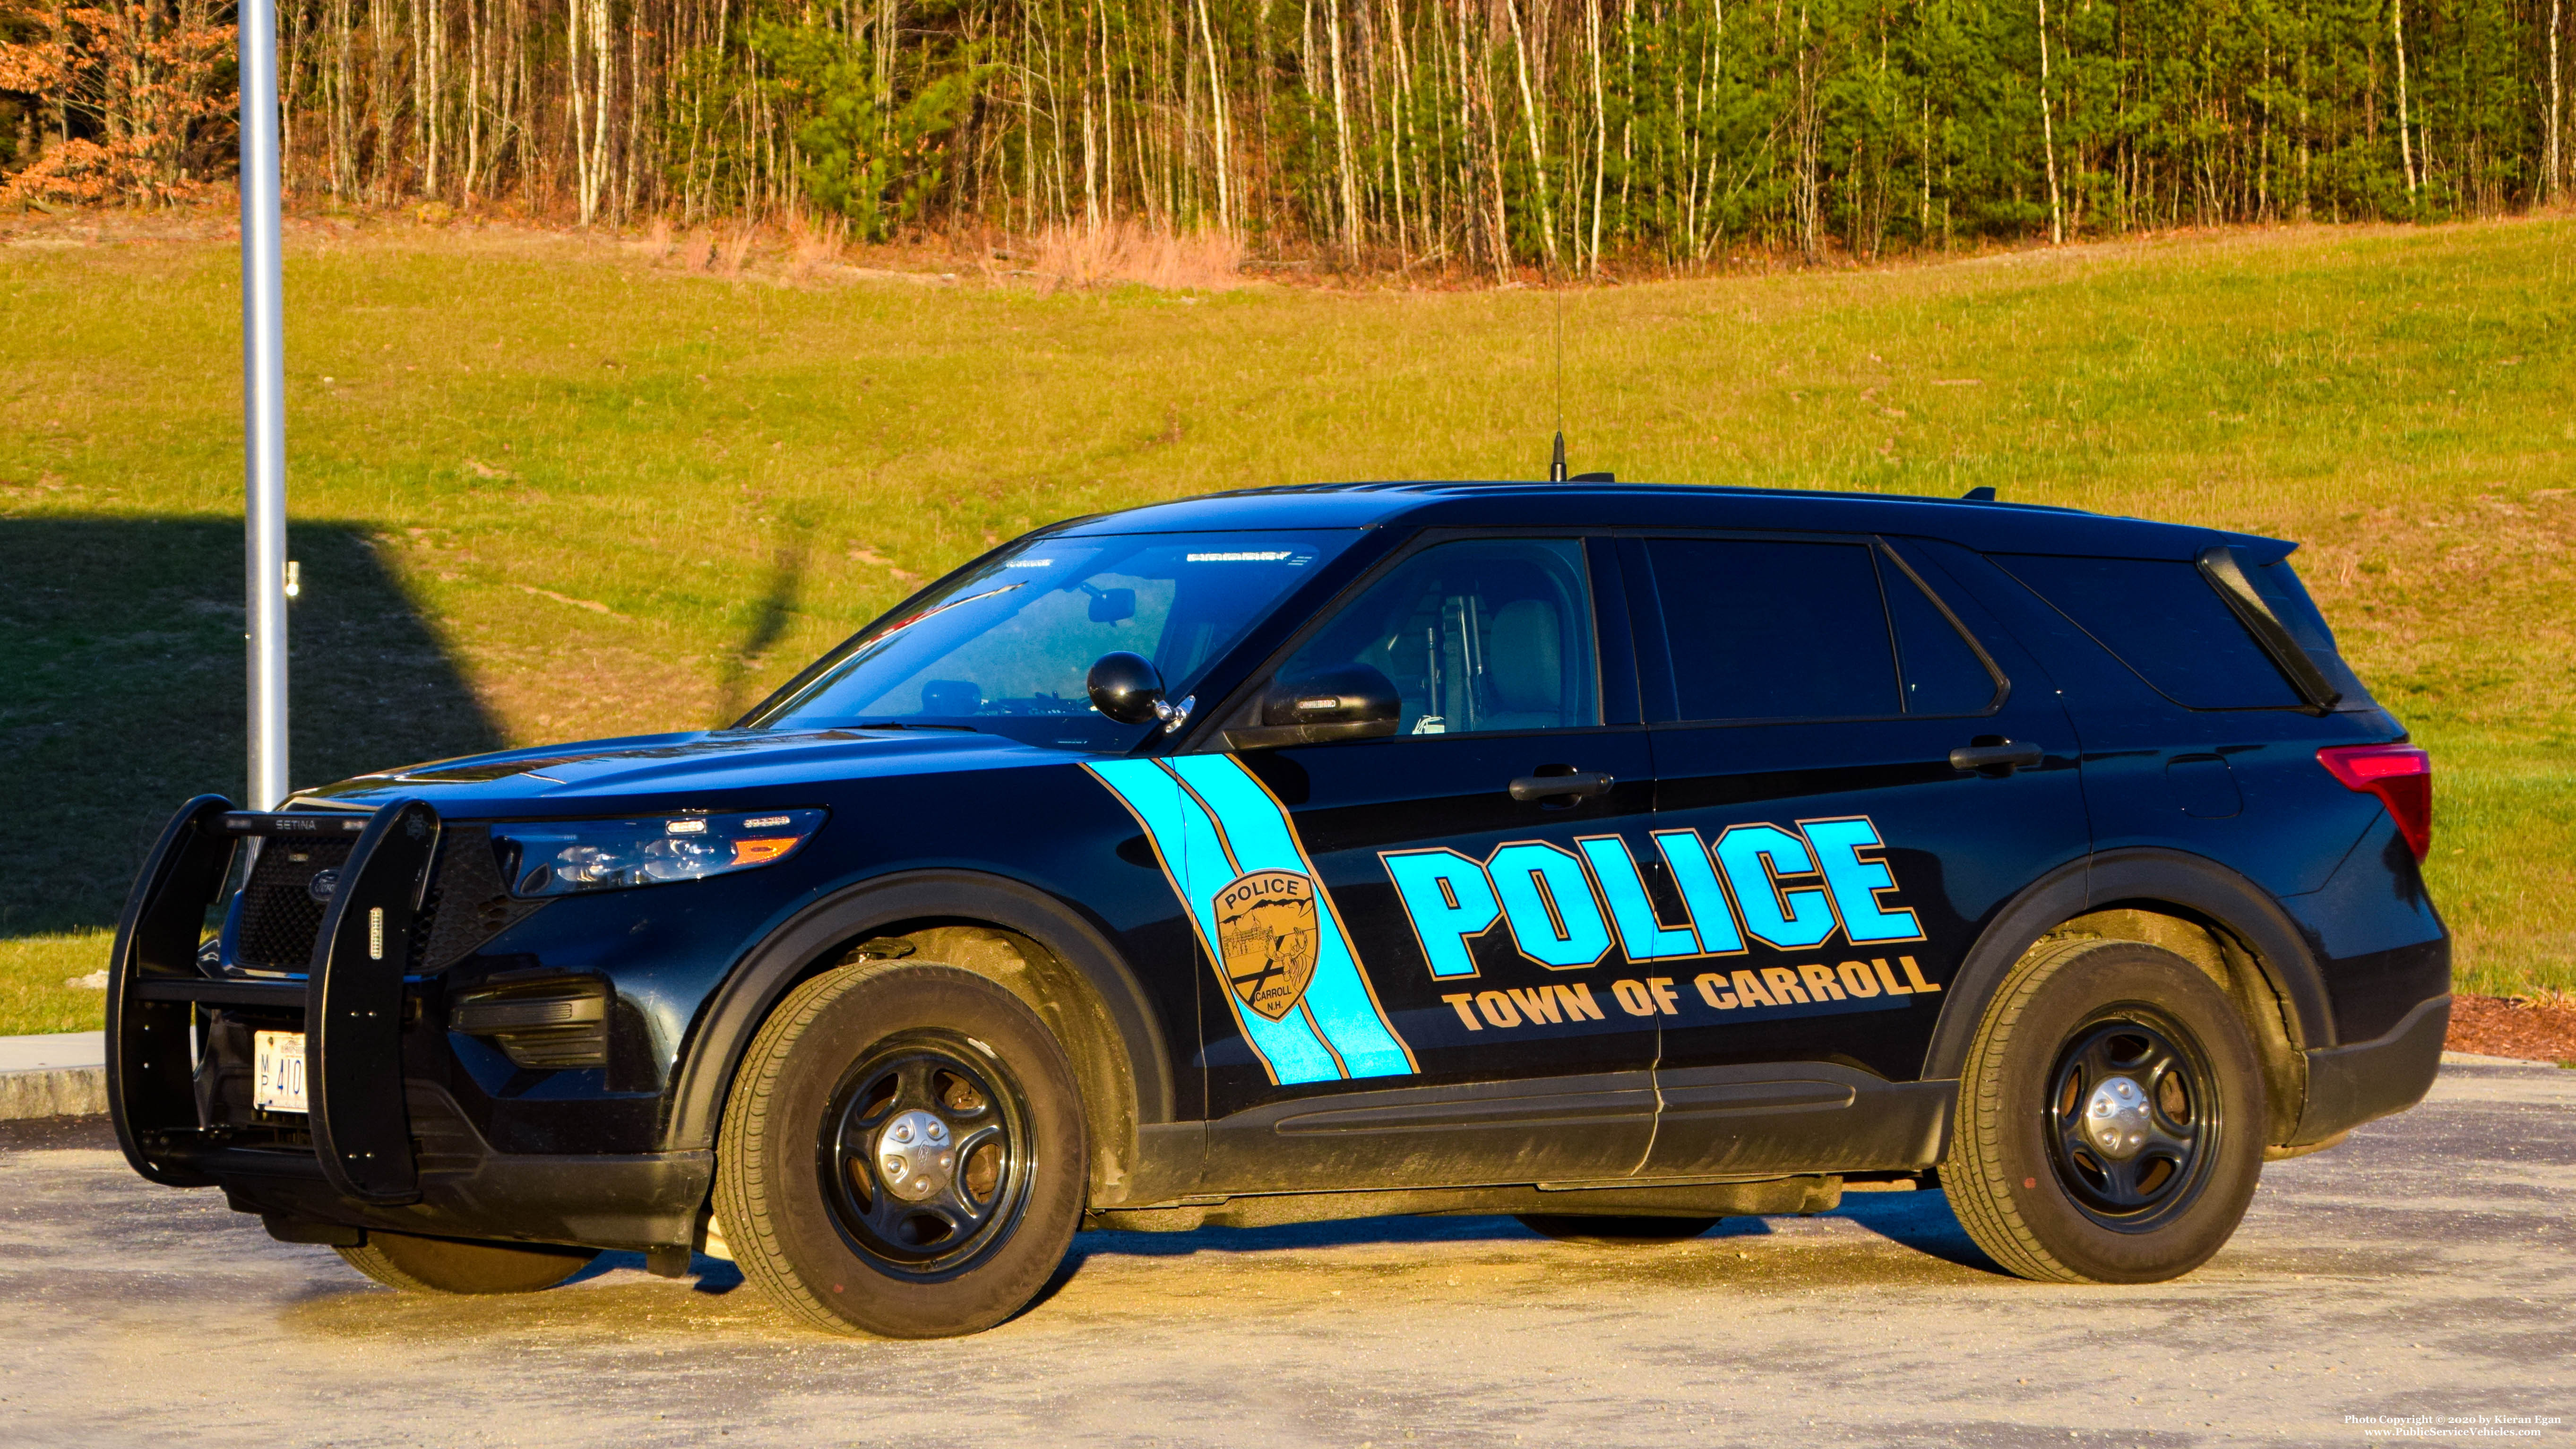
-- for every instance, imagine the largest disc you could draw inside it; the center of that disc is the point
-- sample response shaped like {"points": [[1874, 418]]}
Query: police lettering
{"points": [[1548, 1004], [1812, 984], [1771, 987], [1791, 890]]}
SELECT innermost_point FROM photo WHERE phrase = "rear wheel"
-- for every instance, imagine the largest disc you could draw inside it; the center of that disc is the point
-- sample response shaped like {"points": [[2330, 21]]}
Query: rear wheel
{"points": [[902, 1153], [2110, 1117], [453, 1265], [1594, 1228]]}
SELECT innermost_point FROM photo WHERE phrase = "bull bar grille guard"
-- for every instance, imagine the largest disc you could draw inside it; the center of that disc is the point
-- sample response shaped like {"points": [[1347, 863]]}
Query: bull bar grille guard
{"points": [[352, 995]]}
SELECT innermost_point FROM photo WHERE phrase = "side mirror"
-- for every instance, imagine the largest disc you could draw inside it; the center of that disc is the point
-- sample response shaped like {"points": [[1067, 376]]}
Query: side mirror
{"points": [[1351, 702], [1125, 687]]}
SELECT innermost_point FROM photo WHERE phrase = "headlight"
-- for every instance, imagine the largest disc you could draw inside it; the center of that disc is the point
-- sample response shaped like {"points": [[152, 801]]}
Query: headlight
{"points": [[561, 857]]}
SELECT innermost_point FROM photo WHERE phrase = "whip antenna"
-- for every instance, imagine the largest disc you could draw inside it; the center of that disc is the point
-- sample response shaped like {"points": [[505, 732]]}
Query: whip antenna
{"points": [[1556, 460]]}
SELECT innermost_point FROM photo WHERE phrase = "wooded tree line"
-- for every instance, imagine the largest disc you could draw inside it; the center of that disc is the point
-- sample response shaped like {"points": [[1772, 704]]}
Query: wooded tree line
{"points": [[1491, 134]]}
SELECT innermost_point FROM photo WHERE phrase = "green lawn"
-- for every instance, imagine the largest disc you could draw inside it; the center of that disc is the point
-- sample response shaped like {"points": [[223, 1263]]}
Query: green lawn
{"points": [[549, 488]]}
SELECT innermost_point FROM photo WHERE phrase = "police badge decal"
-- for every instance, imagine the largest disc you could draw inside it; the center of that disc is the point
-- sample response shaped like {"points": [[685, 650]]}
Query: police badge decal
{"points": [[1266, 930]]}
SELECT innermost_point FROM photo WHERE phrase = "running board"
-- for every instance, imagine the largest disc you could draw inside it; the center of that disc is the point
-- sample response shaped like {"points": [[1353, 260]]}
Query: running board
{"points": [[1770, 1197]]}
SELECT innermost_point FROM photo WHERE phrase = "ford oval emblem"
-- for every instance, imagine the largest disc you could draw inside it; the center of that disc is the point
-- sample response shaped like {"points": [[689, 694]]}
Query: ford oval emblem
{"points": [[323, 883]]}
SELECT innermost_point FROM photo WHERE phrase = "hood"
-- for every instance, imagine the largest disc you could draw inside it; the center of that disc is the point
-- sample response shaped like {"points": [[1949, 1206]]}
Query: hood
{"points": [[647, 771]]}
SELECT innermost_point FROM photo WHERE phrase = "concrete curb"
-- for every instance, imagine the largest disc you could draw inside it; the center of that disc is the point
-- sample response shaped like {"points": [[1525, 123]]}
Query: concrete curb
{"points": [[2472, 1059], [53, 1092]]}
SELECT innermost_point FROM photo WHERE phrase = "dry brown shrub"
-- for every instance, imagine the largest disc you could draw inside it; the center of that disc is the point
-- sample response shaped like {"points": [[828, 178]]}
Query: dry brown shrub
{"points": [[698, 253], [1126, 252], [657, 240], [811, 247], [737, 247]]}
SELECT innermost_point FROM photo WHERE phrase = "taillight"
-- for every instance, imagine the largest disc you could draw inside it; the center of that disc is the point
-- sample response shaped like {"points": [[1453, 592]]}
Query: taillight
{"points": [[2400, 775]]}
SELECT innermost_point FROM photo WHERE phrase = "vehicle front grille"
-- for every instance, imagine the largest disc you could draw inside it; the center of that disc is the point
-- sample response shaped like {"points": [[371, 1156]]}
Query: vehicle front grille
{"points": [[280, 913], [467, 904]]}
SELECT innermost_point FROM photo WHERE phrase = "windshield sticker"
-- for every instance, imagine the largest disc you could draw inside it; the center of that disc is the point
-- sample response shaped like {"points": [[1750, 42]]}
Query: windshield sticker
{"points": [[1291, 973], [1280, 555], [1030, 563]]}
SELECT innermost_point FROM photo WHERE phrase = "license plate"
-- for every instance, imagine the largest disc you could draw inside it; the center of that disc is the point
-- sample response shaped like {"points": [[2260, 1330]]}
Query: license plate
{"points": [[278, 1072]]}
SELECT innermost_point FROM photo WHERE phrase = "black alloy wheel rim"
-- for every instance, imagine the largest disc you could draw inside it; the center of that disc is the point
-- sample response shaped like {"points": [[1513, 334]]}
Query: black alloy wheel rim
{"points": [[2133, 1120], [913, 1101]]}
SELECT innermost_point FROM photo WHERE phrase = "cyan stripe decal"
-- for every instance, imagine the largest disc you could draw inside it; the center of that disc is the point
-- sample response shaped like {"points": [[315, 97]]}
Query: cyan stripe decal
{"points": [[1214, 828]]}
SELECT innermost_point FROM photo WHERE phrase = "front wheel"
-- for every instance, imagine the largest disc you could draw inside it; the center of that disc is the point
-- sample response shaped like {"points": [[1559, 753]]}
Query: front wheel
{"points": [[2110, 1117], [902, 1153]]}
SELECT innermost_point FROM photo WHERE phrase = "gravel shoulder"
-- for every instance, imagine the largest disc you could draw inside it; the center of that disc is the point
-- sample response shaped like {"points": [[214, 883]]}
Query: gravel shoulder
{"points": [[2425, 1267]]}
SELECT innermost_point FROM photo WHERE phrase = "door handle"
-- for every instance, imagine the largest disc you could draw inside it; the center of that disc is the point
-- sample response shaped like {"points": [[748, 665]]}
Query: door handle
{"points": [[2001, 757], [1579, 784]]}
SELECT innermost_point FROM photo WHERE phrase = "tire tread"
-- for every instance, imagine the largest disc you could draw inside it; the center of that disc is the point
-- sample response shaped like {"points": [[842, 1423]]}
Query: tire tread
{"points": [[742, 1196], [1975, 1179]]}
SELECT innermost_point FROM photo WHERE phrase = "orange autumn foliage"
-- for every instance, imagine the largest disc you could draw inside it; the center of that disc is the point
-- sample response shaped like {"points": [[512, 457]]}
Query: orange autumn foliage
{"points": [[139, 80]]}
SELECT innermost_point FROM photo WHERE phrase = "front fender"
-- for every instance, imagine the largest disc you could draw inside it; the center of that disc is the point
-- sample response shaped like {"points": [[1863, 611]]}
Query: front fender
{"points": [[733, 1015]]}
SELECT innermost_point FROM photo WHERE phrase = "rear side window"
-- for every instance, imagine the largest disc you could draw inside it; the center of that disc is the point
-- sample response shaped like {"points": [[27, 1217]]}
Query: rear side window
{"points": [[1786, 629], [2163, 620]]}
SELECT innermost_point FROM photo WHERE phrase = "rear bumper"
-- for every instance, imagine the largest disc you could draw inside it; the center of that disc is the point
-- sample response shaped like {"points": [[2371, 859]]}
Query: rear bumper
{"points": [[2350, 1085]]}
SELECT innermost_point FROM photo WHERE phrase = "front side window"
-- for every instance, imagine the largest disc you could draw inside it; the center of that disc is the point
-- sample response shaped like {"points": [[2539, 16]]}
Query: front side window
{"points": [[1478, 636], [1007, 648]]}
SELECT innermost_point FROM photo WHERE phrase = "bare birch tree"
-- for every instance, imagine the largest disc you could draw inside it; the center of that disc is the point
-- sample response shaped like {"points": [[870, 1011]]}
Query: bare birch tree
{"points": [[2048, 137]]}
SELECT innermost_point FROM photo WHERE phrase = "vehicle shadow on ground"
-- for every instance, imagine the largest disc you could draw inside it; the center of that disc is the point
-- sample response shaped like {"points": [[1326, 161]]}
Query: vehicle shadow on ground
{"points": [[1921, 1223], [712, 1276], [614, 1289], [121, 642]]}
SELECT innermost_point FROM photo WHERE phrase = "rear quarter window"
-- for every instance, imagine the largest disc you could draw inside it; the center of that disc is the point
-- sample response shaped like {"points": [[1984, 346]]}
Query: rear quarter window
{"points": [[2279, 585], [2163, 620]]}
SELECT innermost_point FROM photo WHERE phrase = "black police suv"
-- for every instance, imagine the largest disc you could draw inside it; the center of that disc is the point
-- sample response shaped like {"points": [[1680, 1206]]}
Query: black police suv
{"points": [[1619, 857]]}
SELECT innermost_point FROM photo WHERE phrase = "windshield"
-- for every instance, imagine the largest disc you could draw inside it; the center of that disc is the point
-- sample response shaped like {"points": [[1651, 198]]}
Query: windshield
{"points": [[1006, 648]]}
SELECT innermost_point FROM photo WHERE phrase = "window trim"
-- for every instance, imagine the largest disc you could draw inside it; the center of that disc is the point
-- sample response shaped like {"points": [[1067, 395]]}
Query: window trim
{"points": [[1659, 686], [1976, 646]]}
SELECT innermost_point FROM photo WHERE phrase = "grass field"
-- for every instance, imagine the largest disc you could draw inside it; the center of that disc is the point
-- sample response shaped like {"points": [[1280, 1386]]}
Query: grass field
{"points": [[549, 488]]}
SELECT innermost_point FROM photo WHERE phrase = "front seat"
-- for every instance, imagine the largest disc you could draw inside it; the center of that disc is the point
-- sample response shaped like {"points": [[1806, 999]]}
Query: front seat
{"points": [[1524, 668]]}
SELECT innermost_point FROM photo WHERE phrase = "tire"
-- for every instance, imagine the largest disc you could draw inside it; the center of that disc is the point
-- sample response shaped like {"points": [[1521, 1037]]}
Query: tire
{"points": [[902, 1153], [1614, 1231], [2110, 1117], [453, 1265]]}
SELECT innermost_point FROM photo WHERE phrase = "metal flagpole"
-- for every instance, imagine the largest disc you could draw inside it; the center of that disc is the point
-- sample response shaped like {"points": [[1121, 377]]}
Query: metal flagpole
{"points": [[263, 404]]}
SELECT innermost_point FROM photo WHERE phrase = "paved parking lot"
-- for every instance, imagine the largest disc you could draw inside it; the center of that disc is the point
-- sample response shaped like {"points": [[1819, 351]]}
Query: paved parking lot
{"points": [[2423, 1268]]}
